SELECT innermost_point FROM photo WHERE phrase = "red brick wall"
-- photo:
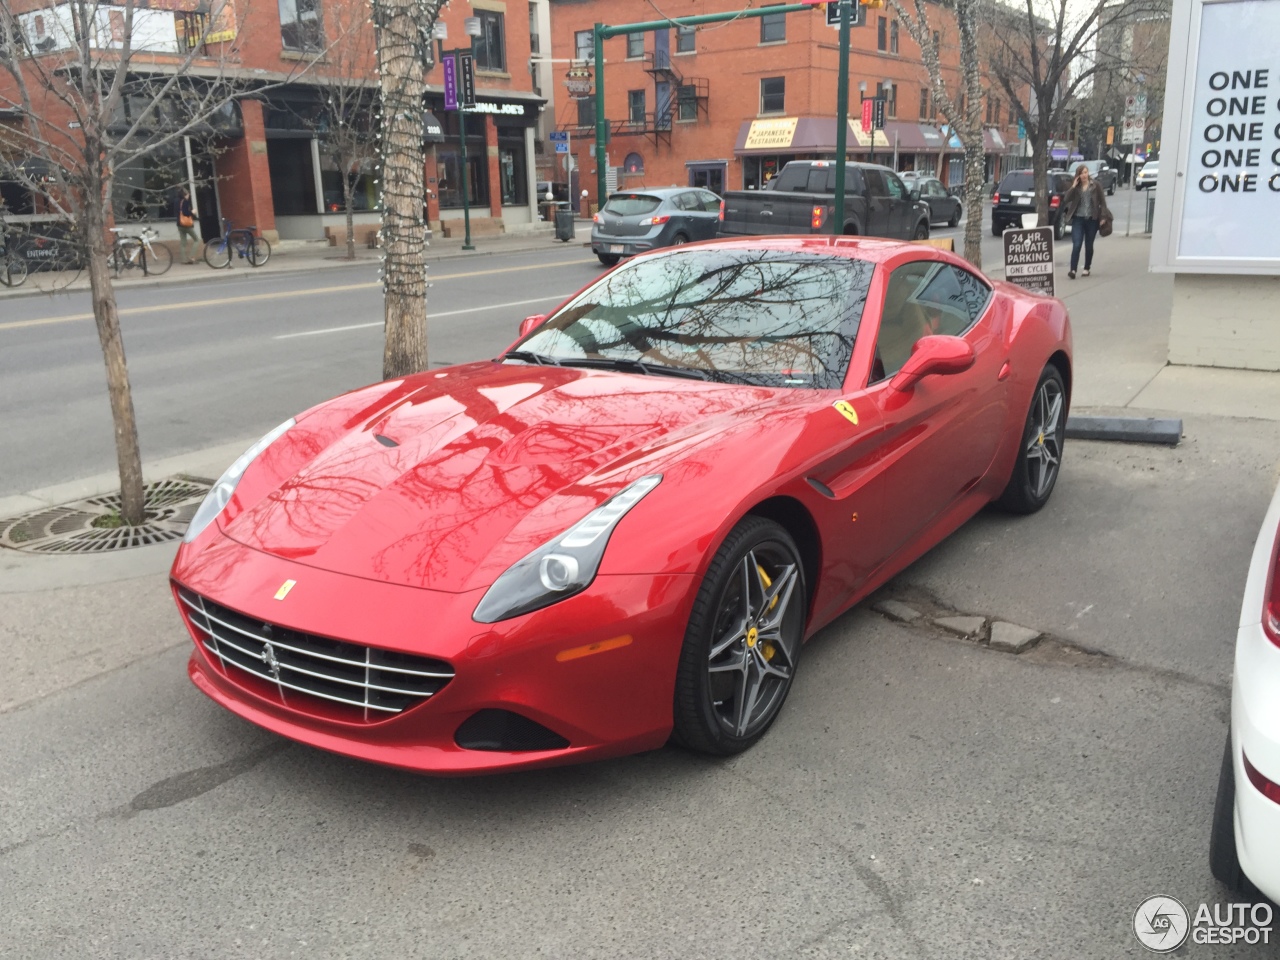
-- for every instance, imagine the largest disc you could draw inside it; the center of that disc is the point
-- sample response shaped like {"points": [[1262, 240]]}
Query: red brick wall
{"points": [[244, 180]]}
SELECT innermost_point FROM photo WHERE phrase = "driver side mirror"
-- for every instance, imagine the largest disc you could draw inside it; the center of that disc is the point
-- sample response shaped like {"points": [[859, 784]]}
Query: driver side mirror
{"points": [[914, 193], [934, 354], [528, 324]]}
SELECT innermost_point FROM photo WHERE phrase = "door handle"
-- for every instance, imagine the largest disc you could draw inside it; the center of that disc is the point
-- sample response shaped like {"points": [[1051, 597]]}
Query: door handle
{"points": [[766, 213], [1005, 370]]}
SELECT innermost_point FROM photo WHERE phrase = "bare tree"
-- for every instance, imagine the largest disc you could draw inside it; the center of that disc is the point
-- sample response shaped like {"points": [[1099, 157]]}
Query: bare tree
{"points": [[97, 86], [961, 107], [1050, 49], [404, 29], [346, 123]]}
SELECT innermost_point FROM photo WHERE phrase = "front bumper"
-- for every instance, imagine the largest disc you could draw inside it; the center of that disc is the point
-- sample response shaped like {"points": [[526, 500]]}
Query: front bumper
{"points": [[1255, 733], [540, 665]]}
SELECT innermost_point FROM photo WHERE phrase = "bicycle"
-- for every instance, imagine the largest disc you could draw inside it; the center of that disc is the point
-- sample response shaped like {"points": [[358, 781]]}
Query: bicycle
{"points": [[13, 265], [243, 240], [130, 251]]}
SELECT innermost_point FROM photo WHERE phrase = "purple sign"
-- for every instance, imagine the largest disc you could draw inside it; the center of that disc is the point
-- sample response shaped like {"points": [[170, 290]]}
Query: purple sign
{"points": [[450, 82]]}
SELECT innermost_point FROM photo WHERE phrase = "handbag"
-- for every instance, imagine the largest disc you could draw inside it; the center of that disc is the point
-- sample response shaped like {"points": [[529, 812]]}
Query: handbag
{"points": [[185, 221], [1104, 226]]}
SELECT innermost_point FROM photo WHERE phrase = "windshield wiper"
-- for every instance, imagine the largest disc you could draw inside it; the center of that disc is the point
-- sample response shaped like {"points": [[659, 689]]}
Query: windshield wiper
{"points": [[528, 356], [637, 366]]}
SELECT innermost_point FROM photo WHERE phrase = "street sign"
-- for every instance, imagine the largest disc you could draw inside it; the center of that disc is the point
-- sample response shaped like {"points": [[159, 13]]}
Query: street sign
{"points": [[877, 119], [1028, 258], [559, 136], [562, 147], [466, 65], [857, 16], [448, 62], [868, 114], [1135, 105], [1135, 130]]}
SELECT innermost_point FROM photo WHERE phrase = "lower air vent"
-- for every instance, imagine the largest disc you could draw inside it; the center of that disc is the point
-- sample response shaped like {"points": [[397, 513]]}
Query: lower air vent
{"points": [[506, 731]]}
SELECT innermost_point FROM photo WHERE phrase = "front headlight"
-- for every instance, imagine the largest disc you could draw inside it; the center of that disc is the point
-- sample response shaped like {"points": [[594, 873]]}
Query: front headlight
{"points": [[217, 497], [563, 566]]}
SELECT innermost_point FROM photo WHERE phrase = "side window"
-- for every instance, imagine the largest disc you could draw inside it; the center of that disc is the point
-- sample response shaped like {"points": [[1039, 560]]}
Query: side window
{"points": [[817, 180], [925, 298], [896, 189], [710, 202], [875, 182], [793, 177]]}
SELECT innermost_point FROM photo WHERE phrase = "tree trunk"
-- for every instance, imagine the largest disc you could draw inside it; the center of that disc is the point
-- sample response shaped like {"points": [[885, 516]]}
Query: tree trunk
{"points": [[1040, 171], [974, 168], [401, 68], [348, 201], [105, 315]]}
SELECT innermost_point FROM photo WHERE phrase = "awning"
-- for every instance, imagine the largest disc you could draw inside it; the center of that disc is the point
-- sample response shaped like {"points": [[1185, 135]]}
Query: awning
{"points": [[780, 135], [432, 131]]}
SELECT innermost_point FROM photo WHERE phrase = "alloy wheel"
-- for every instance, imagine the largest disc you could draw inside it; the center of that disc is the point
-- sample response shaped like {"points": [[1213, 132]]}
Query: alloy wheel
{"points": [[1044, 445]]}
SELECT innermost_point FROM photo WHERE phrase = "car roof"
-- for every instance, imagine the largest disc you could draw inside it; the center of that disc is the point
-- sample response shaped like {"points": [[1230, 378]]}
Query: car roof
{"points": [[871, 249], [660, 192]]}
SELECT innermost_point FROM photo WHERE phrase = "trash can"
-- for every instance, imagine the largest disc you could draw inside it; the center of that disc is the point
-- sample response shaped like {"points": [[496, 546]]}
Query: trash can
{"points": [[564, 223], [1151, 209]]}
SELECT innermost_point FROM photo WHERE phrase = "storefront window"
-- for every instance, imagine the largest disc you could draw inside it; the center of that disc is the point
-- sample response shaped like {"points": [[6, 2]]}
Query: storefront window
{"points": [[293, 183], [144, 189], [364, 193], [758, 171], [449, 177]]}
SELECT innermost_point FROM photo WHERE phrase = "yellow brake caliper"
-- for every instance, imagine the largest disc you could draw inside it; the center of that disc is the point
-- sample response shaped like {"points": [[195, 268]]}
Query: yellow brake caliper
{"points": [[767, 648]]}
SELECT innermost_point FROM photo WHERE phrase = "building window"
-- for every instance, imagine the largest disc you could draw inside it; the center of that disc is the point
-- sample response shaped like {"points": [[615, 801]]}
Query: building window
{"points": [[773, 92], [924, 103], [935, 41], [635, 106], [491, 46], [1013, 114], [300, 25], [882, 34], [635, 46], [889, 91], [633, 164], [293, 185], [687, 102], [685, 40], [773, 28], [584, 46], [993, 108], [587, 112], [893, 37]]}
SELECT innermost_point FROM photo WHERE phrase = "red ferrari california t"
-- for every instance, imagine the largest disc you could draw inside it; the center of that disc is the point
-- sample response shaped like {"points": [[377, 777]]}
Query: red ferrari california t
{"points": [[624, 528]]}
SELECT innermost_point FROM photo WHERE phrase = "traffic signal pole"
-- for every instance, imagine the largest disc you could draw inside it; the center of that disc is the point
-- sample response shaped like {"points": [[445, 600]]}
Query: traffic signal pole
{"points": [[603, 32], [842, 116]]}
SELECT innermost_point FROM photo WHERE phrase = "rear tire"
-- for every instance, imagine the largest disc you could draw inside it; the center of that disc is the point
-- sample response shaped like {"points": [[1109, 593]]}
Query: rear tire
{"points": [[995, 229], [259, 251], [955, 218], [1057, 228], [15, 271], [217, 253], [608, 259], [1224, 861], [1039, 461], [742, 642], [679, 239]]}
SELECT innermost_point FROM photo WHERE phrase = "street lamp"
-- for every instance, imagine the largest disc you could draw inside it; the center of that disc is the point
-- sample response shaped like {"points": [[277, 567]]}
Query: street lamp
{"points": [[472, 27]]}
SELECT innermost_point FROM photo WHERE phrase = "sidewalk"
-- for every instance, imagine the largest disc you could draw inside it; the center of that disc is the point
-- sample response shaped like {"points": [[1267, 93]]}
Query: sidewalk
{"points": [[296, 256]]}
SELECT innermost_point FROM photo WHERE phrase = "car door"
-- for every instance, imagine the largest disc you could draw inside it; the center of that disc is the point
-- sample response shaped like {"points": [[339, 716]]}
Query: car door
{"points": [[940, 436], [940, 205], [710, 221], [902, 209], [879, 204]]}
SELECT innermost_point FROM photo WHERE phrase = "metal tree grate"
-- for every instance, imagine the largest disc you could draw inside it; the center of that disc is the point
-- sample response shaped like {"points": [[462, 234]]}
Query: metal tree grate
{"points": [[169, 505]]}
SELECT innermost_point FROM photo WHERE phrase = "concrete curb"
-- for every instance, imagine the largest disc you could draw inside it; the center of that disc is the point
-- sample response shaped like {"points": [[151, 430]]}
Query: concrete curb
{"points": [[1125, 429]]}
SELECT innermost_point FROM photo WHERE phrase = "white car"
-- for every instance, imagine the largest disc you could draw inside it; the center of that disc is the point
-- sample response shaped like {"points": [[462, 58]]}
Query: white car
{"points": [[1147, 175], [1245, 843]]}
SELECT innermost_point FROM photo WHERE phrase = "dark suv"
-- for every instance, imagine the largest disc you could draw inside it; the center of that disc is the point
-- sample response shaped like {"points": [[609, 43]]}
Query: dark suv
{"points": [[1016, 196]]}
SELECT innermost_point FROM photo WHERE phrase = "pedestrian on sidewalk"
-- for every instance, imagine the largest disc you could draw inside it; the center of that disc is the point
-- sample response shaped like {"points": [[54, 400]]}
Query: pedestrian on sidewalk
{"points": [[186, 227], [1085, 207]]}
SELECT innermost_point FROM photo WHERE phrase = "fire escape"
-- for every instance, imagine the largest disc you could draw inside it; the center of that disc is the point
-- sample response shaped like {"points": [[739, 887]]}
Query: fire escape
{"points": [[674, 96]]}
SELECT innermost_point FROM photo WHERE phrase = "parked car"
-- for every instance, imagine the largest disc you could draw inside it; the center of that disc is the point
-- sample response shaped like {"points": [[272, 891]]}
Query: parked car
{"points": [[1016, 195], [802, 200], [1244, 844], [1098, 170], [639, 220], [626, 525], [943, 207], [1147, 175]]}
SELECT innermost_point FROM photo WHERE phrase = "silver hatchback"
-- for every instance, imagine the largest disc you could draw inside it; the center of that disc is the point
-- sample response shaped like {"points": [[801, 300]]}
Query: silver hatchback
{"points": [[638, 220]]}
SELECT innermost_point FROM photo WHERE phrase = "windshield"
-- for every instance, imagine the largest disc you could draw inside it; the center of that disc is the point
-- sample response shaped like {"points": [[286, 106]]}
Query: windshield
{"points": [[632, 205], [1016, 181], [764, 317]]}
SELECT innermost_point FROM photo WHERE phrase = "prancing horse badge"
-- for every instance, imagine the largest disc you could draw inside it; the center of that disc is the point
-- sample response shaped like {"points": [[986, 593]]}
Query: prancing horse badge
{"points": [[285, 588]]}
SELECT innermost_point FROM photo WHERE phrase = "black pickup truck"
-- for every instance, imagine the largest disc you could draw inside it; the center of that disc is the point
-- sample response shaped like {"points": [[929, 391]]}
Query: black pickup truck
{"points": [[801, 199]]}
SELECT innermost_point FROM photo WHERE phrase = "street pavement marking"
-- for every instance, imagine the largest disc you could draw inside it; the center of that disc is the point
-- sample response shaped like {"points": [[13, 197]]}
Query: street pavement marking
{"points": [[430, 316], [278, 295]]}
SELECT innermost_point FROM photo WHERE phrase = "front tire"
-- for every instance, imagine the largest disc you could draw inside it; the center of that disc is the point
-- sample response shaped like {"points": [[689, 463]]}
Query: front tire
{"points": [[955, 218], [15, 271], [608, 259], [742, 642], [1224, 861], [1035, 471], [217, 253], [922, 231]]}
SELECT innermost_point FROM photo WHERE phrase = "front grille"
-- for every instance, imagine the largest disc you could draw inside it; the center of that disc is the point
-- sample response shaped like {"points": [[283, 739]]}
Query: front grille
{"points": [[374, 683]]}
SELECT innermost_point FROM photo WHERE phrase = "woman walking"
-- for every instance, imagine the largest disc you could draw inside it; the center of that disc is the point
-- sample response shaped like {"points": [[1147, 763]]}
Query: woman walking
{"points": [[186, 227], [1085, 208]]}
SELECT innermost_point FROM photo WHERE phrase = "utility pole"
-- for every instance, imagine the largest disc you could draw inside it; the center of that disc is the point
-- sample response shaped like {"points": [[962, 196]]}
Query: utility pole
{"points": [[842, 115], [464, 70]]}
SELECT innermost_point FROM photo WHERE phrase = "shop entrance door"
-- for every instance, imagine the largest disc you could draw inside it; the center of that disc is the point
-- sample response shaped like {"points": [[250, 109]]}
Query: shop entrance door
{"points": [[206, 196], [709, 176]]}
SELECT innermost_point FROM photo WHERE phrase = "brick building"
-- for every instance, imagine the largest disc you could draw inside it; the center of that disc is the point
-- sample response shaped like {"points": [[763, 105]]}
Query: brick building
{"points": [[726, 105], [261, 160]]}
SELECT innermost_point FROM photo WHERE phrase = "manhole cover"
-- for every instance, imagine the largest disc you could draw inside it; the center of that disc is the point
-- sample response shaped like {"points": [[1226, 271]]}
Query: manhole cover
{"points": [[70, 528]]}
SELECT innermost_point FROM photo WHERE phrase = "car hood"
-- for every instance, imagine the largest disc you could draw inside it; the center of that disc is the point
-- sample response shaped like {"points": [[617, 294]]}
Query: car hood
{"points": [[444, 480]]}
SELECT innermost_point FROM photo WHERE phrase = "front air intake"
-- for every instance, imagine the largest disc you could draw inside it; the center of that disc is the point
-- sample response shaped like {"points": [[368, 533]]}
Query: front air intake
{"points": [[506, 731]]}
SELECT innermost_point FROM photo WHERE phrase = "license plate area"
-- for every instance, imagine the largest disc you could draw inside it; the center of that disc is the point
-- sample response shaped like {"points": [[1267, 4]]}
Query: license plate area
{"points": [[616, 248]]}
